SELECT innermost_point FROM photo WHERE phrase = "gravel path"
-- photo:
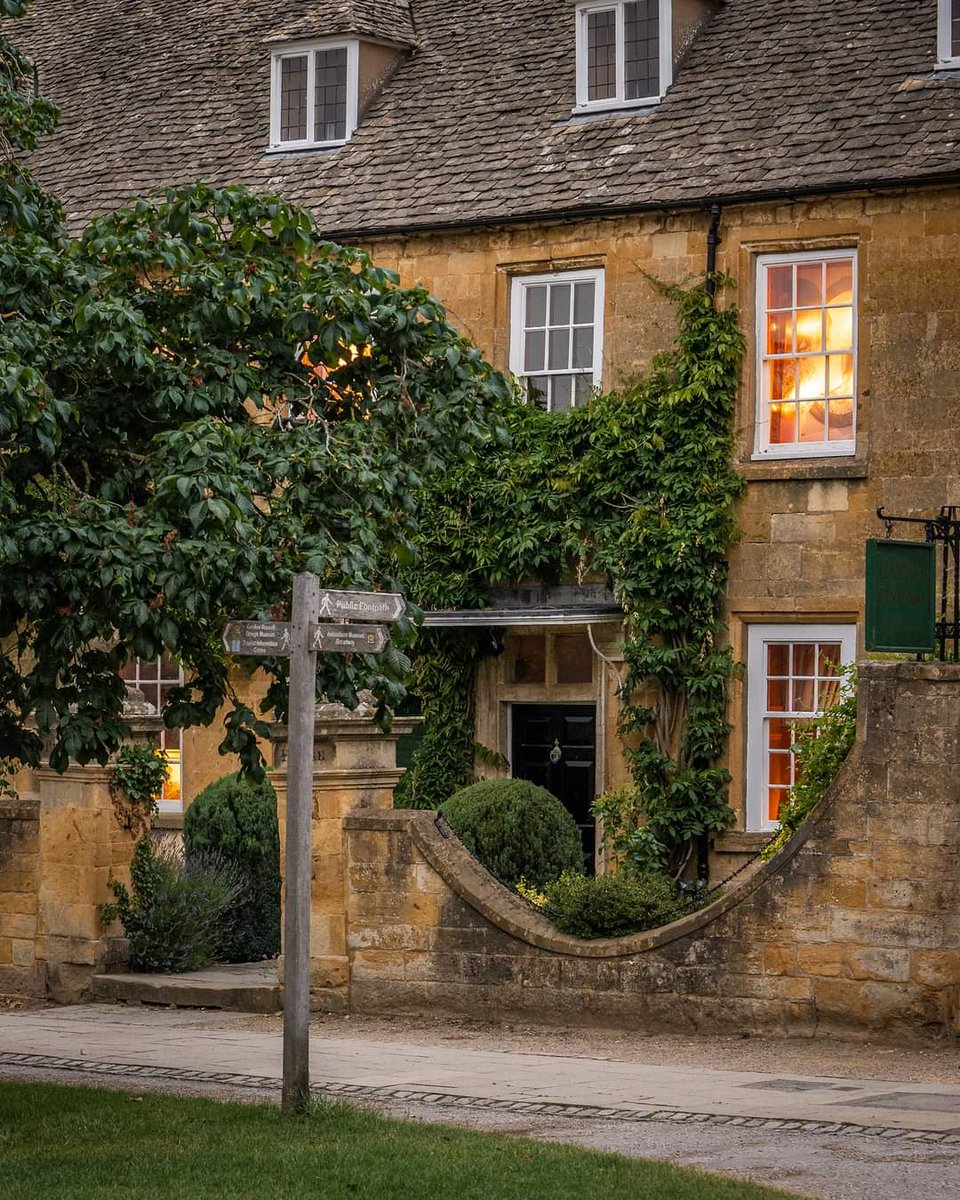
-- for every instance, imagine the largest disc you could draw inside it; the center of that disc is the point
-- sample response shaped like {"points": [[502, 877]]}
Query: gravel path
{"points": [[936, 1063]]}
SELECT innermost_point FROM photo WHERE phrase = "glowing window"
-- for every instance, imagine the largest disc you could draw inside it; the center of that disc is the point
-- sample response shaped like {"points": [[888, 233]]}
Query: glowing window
{"points": [[807, 348], [155, 678], [624, 53], [791, 680]]}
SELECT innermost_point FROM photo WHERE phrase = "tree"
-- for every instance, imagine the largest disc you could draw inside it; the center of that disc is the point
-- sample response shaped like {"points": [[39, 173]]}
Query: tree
{"points": [[199, 396]]}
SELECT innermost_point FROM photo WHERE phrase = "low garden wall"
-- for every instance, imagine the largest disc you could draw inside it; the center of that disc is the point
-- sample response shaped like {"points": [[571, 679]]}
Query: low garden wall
{"points": [[19, 888], [853, 928], [59, 847]]}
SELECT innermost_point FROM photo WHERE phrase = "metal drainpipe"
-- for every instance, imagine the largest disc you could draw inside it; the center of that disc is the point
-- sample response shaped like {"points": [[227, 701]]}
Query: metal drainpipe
{"points": [[713, 241]]}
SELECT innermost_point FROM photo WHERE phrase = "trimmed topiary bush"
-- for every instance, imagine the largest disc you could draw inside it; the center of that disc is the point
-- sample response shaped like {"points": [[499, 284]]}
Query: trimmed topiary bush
{"points": [[589, 906], [516, 829], [238, 818]]}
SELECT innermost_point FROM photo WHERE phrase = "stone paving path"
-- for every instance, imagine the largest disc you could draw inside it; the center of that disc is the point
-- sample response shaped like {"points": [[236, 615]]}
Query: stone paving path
{"points": [[550, 1095]]}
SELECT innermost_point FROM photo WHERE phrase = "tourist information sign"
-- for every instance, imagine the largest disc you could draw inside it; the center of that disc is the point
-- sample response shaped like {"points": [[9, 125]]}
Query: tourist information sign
{"points": [[349, 639], [302, 638], [361, 606], [258, 639]]}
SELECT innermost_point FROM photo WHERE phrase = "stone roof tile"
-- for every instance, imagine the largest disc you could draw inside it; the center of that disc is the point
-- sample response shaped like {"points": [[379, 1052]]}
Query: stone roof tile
{"points": [[477, 123]]}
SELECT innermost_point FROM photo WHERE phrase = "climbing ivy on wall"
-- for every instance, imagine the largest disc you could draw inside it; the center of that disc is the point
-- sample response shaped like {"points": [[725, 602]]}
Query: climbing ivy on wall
{"points": [[445, 676], [636, 487]]}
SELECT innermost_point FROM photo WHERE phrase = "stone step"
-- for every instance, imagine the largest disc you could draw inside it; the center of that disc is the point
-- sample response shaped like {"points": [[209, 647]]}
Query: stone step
{"points": [[234, 987]]}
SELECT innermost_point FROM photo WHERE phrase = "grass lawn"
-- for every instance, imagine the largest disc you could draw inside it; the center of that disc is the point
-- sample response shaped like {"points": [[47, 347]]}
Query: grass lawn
{"points": [[74, 1143]]}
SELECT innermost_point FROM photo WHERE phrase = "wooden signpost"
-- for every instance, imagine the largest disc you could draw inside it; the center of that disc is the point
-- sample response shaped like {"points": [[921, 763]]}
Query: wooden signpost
{"points": [[349, 639], [302, 639]]}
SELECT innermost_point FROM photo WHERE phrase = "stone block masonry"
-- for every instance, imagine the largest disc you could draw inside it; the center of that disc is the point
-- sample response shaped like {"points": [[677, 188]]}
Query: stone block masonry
{"points": [[58, 851], [853, 929], [19, 866]]}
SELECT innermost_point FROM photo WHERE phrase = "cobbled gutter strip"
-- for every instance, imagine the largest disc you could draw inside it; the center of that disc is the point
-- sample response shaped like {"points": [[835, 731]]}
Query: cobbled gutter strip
{"points": [[356, 1091]]}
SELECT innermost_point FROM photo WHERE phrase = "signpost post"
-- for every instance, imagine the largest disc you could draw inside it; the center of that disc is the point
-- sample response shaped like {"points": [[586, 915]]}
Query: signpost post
{"points": [[302, 639]]}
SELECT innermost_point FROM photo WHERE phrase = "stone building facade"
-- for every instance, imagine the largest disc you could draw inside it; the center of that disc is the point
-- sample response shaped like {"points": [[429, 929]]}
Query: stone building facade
{"points": [[515, 156]]}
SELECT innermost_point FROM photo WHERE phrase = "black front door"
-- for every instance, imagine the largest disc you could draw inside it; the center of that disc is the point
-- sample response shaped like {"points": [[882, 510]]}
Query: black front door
{"points": [[555, 746]]}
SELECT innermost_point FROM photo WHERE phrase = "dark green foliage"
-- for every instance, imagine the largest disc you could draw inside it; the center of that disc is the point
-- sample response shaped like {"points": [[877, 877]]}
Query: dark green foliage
{"points": [[237, 818], [592, 906], [821, 748], [516, 829], [136, 784], [445, 675], [160, 375], [177, 915], [638, 488]]}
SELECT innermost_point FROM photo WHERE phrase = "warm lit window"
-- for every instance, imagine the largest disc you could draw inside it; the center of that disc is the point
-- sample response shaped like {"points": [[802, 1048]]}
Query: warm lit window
{"points": [[623, 53], [948, 34], [155, 678], [314, 95], [791, 679], [807, 345], [556, 338]]}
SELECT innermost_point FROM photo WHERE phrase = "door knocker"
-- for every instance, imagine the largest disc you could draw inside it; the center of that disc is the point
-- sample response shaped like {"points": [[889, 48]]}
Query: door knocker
{"points": [[556, 753]]}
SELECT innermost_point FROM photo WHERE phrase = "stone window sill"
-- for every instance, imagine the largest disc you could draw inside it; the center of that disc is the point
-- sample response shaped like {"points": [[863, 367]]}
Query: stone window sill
{"points": [[755, 472], [168, 821], [737, 841]]}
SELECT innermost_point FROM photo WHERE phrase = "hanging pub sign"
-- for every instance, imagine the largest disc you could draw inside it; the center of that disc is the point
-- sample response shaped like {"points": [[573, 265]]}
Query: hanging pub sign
{"points": [[901, 596]]}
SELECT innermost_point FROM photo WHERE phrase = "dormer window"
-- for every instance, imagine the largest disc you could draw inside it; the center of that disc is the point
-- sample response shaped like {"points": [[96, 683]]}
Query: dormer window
{"points": [[624, 53], [948, 34], [314, 95]]}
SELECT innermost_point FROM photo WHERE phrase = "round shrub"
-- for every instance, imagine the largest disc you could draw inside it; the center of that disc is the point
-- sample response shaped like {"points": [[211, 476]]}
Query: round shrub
{"points": [[516, 829], [237, 818], [590, 906]]}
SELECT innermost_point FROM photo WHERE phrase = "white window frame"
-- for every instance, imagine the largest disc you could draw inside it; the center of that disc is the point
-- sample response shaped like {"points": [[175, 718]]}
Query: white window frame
{"points": [[518, 292], [666, 57], [946, 59], [764, 449], [158, 681], [758, 638], [309, 49]]}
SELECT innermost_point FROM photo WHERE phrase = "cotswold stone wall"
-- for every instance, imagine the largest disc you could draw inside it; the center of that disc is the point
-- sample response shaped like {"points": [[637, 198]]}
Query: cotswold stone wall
{"points": [[19, 883], [58, 850], [854, 928]]}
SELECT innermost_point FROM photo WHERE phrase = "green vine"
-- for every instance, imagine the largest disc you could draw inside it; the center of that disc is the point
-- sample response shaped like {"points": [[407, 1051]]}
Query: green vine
{"points": [[820, 748], [8, 771], [445, 675], [136, 784], [638, 488]]}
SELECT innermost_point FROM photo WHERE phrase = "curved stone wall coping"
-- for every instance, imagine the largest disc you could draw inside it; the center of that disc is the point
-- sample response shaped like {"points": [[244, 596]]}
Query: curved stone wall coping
{"points": [[465, 876]]}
